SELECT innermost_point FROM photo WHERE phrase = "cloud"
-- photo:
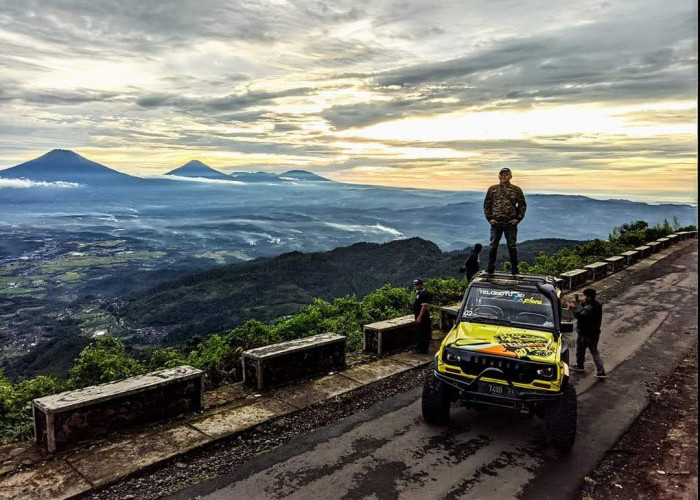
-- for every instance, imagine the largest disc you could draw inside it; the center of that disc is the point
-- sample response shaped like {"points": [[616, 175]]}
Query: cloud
{"points": [[257, 85], [203, 180], [230, 102], [26, 183]]}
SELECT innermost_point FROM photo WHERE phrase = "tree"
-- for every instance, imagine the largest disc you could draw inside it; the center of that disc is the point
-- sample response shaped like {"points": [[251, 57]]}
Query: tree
{"points": [[105, 360]]}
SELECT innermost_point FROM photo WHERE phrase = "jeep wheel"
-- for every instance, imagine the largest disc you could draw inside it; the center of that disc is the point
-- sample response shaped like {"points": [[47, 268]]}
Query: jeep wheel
{"points": [[561, 420], [436, 400]]}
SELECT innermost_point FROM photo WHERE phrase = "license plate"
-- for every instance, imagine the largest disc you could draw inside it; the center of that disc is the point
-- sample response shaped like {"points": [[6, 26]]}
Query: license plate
{"points": [[503, 391]]}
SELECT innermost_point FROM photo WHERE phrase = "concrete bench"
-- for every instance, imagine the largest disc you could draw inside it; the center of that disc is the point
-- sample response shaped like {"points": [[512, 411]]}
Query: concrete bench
{"points": [[655, 246], [390, 335], [664, 242], [616, 263], [559, 282], [673, 239], [682, 235], [96, 411], [644, 251], [630, 257], [598, 270], [448, 316], [575, 278], [278, 364]]}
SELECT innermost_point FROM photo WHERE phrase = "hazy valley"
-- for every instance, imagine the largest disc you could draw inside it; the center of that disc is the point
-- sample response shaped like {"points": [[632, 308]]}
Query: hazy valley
{"points": [[83, 248]]}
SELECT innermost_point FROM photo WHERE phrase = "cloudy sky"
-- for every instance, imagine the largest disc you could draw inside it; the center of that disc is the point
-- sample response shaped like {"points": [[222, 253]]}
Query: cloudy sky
{"points": [[589, 97]]}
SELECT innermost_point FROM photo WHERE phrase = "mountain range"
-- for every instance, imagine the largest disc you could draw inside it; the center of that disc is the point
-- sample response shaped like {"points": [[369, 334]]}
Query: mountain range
{"points": [[61, 165]]}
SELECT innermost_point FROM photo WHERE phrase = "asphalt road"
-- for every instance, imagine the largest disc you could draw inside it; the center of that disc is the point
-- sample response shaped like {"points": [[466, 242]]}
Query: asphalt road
{"points": [[388, 452]]}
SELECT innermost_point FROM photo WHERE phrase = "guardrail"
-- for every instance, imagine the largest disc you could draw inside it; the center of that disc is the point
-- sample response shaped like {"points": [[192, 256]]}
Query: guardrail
{"points": [[96, 411], [390, 335], [279, 364]]}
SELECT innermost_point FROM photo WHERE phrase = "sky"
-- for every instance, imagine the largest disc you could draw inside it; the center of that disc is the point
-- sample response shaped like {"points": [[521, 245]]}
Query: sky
{"points": [[588, 97]]}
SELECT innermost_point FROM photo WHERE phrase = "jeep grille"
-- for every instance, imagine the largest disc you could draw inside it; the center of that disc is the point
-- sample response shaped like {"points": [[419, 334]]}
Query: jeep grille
{"points": [[516, 370]]}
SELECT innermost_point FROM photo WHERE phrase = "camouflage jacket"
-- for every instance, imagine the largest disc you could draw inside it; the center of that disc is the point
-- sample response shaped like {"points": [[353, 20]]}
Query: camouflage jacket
{"points": [[504, 203]]}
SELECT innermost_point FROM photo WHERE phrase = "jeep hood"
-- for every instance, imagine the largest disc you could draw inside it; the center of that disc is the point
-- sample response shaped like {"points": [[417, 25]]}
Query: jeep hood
{"points": [[501, 340]]}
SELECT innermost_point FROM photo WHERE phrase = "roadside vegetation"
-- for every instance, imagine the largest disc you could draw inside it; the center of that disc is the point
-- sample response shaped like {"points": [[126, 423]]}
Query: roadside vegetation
{"points": [[108, 359]]}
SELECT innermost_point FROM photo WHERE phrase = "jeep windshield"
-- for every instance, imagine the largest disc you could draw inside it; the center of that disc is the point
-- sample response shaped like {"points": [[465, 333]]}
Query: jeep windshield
{"points": [[509, 306]]}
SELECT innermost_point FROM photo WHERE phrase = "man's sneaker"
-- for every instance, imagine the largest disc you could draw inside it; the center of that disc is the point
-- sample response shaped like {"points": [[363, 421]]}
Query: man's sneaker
{"points": [[600, 375], [578, 368]]}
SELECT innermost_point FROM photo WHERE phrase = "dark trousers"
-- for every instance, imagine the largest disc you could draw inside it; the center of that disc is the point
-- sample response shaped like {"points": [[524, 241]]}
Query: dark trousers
{"points": [[590, 343], [423, 334], [471, 274], [511, 232]]}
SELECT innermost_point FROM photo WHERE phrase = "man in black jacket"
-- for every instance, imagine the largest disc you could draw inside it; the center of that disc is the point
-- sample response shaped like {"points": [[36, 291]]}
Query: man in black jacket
{"points": [[471, 266], [422, 315], [589, 317]]}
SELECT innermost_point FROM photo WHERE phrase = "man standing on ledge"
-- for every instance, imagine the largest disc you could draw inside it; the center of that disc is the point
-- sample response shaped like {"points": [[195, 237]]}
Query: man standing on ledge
{"points": [[422, 315], [504, 208]]}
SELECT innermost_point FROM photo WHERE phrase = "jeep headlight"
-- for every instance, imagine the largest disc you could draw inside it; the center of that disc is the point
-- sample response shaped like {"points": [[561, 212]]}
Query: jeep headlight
{"points": [[546, 373], [450, 357]]}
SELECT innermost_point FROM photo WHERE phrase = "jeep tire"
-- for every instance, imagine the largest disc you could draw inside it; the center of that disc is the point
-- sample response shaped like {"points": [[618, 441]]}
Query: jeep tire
{"points": [[436, 400], [561, 420]]}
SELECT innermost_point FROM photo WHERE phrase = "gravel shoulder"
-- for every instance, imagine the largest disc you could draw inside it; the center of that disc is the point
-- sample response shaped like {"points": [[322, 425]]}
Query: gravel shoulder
{"points": [[657, 458]]}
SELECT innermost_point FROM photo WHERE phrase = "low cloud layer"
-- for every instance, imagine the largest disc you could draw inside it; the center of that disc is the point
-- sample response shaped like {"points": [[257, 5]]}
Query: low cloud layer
{"points": [[25, 184]]}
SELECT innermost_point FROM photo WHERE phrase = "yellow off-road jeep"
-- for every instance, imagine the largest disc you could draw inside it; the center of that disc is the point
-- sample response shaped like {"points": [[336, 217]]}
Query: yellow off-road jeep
{"points": [[506, 349]]}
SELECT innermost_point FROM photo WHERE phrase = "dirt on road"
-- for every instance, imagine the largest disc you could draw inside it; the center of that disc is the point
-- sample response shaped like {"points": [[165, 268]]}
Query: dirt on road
{"points": [[657, 458]]}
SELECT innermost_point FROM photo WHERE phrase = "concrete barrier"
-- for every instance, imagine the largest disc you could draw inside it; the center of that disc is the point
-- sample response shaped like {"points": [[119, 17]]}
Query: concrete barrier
{"points": [[655, 246], [96, 411], [389, 335], [644, 251], [279, 364], [448, 317], [616, 263], [665, 242], [630, 257], [673, 239], [575, 278], [598, 270], [559, 282]]}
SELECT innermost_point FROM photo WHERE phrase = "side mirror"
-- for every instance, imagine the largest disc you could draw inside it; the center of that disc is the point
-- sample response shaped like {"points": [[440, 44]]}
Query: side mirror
{"points": [[566, 327]]}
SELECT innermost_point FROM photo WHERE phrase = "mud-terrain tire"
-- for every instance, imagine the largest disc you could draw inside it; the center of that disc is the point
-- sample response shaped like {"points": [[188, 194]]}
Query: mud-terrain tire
{"points": [[561, 420], [436, 400]]}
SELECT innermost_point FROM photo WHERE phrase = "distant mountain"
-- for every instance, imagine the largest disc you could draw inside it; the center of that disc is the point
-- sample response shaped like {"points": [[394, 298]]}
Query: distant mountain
{"points": [[255, 177], [196, 168], [220, 298], [288, 176], [67, 166], [303, 175]]}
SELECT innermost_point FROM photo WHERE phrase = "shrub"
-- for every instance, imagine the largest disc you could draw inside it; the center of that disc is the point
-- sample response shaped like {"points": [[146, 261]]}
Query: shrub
{"points": [[104, 360], [16, 405]]}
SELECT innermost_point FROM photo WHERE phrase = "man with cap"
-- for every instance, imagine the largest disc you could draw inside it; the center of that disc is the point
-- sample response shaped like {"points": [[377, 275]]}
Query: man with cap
{"points": [[504, 208], [422, 315]]}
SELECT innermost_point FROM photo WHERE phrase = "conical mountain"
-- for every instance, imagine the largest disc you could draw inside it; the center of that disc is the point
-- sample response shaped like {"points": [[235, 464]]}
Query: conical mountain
{"points": [[196, 168], [65, 165]]}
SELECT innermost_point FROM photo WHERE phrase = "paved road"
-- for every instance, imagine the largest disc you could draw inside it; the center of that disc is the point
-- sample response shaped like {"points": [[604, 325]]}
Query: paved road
{"points": [[388, 452]]}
